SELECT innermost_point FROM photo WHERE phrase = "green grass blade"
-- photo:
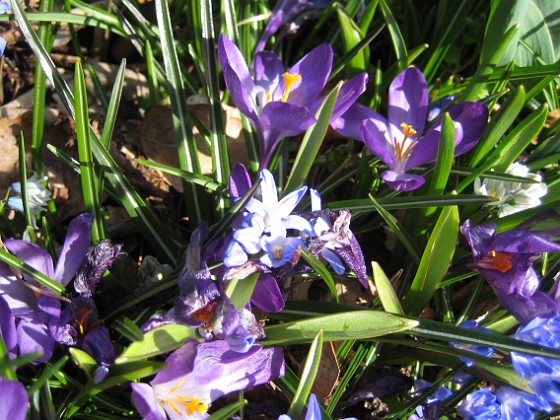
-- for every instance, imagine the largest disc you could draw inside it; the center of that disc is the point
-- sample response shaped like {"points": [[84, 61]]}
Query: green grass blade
{"points": [[320, 269], [437, 256], [311, 143], [220, 157], [22, 159], [182, 123], [399, 45], [308, 375], [228, 412], [351, 36], [519, 138], [444, 161], [88, 177], [112, 109], [498, 125]]}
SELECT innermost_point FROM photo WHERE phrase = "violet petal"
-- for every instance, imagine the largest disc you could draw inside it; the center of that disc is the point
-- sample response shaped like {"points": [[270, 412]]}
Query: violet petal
{"points": [[74, 249]]}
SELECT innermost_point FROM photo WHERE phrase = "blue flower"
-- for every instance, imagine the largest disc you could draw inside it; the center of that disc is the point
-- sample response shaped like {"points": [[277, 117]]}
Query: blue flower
{"points": [[516, 404], [542, 373], [431, 409], [5, 7], [3, 45], [480, 405]]}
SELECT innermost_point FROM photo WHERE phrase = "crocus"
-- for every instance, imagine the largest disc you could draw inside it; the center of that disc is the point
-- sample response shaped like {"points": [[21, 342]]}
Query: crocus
{"points": [[13, 404], [281, 103], [197, 374], [35, 313], [399, 141], [505, 261], [512, 196]]}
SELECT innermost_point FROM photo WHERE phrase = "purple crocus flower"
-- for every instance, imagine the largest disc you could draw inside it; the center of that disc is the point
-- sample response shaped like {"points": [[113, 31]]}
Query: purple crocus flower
{"points": [[281, 103], [13, 404], [198, 374], [34, 313], [394, 139], [505, 260], [542, 373]]}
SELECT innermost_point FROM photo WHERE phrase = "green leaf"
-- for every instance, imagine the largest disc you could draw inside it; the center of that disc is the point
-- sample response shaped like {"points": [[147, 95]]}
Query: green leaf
{"points": [[307, 377], [112, 110], [241, 290], [83, 360], [155, 342], [320, 269], [340, 326], [396, 36], [351, 36], [387, 295], [435, 260], [444, 161], [311, 143], [88, 177], [498, 125], [228, 412], [126, 372], [517, 141]]}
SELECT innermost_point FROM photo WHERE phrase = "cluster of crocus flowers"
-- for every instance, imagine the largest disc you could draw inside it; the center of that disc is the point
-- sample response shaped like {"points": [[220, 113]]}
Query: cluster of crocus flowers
{"points": [[513, 196], [281, 103], [199, 373], [505, 261]]}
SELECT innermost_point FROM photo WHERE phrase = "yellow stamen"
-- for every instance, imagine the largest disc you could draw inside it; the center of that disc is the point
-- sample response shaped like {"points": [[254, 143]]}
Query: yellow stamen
{"points": [[191, 405], [82, 321], [289, 80], [400, 151]]}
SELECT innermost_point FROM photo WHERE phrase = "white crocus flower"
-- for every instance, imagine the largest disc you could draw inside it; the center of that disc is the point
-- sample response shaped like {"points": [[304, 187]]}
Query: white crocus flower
{"points": [[513, 196]]}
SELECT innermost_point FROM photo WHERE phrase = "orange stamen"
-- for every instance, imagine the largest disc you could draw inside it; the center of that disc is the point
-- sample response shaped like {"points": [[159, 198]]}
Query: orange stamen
{"points": [[400, 151], [499, 261]]}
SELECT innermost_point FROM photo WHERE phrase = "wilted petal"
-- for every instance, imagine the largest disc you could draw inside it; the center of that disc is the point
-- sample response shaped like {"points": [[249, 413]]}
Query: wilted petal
{"points": [[402, 182], [376, 137], [267, 296], [74, 249], [99, 259], [408, 100], [314, 69], [13, 404]]}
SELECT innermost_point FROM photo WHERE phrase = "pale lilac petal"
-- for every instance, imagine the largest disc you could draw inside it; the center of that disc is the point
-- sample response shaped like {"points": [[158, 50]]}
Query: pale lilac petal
{"points": [[268, 69], [377, 141], [288, 203], [349, 123], [144, 399], [267, 296], [472, 117], [280, 120], [402, 182], [3, 45], [314, 69], [408, 100], [332, 258], [17, 295], [315, 200], [298, 223], [13, 404], [180, 362], [269, 195], [313, 409], [32, 255], [75, 248], [235, 255]]}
